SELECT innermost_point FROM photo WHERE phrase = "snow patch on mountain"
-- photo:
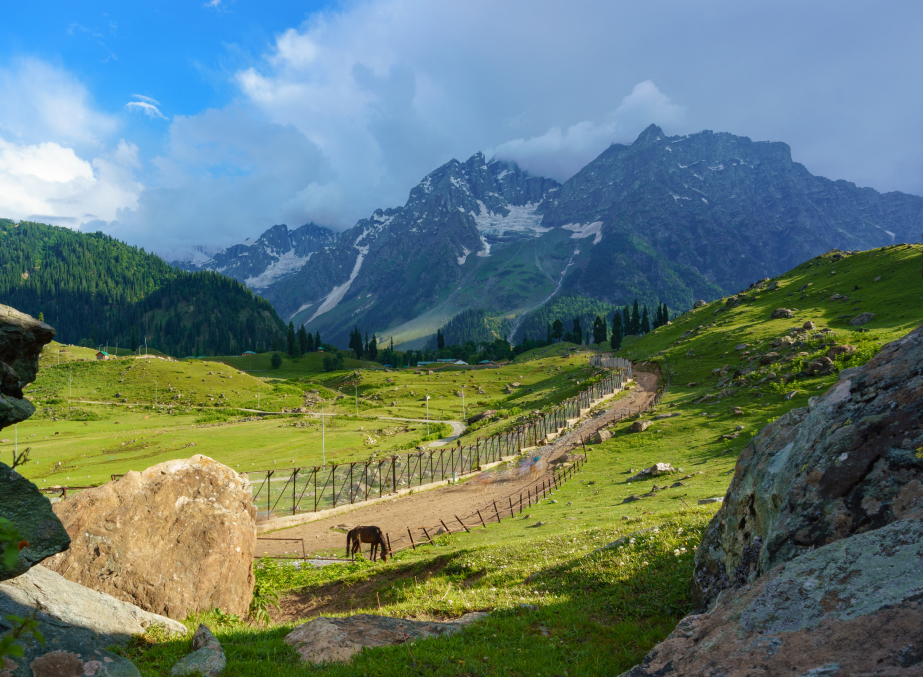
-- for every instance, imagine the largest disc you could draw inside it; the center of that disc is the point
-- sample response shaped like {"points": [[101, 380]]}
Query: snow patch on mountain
{"points": [[337, 293], [464, 256], [582, 230], [287, 262], [520, 219]]}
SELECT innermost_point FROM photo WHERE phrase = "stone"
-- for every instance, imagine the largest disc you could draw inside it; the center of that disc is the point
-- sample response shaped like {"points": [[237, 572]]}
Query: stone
{"points": [[864, 318], [632, 498], [21, 340], [820, 367], [779, 313], [174, 539], [337, 640], [32, 515], [601, 436], [75, 621], [844, 465], [654, 471], [844, 349], [706, 501], [640, 426], [810, 326], [207, 657], [741, 346], [484, 414], [769, 358], [830, 612], [699, 304], [660, 417], [791, 395]]}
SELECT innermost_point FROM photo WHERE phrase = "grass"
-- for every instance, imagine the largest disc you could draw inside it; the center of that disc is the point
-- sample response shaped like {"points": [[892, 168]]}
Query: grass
{"points": [[588, 612]]}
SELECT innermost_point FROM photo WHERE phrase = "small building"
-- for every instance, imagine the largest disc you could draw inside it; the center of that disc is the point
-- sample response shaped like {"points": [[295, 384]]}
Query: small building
{"points": [[248, 352], [460, 363], [102, 355]]}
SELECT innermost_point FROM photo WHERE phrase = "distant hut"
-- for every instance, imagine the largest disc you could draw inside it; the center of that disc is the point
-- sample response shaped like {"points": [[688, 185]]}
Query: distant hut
{"points": [[102, 355]]}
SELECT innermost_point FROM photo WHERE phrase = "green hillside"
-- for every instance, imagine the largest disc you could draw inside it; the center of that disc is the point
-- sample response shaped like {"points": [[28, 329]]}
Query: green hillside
{"points": [[96, 290]]}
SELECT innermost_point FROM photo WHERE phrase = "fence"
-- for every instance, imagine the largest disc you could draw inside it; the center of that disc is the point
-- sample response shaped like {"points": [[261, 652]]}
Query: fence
{"points": [[293, 491]]}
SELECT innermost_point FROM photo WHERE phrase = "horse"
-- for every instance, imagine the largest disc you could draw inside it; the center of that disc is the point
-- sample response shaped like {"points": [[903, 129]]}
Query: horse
{"points": [[359, 535]]}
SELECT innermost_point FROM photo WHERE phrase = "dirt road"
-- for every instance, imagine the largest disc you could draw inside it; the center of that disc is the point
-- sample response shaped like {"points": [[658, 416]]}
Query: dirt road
{"points": [[428, 507]]}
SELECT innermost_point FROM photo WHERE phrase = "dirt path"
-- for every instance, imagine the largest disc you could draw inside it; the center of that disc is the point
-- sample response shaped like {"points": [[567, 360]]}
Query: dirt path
{"points": [[428, 507]]}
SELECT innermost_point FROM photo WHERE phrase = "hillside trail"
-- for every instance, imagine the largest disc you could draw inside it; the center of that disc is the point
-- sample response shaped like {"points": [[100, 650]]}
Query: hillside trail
{"points": [[428, 507]]}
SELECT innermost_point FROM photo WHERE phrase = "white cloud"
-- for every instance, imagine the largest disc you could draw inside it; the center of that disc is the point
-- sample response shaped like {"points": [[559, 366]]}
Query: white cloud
{"points": [[562, 153], [148, 109], [148, 99]]}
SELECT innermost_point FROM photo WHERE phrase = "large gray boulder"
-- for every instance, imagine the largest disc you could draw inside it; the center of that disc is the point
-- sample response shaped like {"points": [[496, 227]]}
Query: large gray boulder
{"points": [[850, 608], [851, 462], [31, 513], [339, 639], [21, 340], [174, 539], [78, 625]]}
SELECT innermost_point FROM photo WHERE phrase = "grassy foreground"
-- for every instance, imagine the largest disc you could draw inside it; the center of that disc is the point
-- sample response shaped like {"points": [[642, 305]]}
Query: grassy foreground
{"points": [[558, 605]]}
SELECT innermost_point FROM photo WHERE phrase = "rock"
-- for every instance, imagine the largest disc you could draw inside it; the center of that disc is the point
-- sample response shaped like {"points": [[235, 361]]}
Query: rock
{"points": [[736, 411], [486, 414], [21, 340], [699, 304], [792, 394], [632, 498], [810, 326], [339, 639], [640, 426], [74, 620], [820, 367], [706, 501], [830, 612], [844, 349], [601, 436], [769, 358], [31, 513], [515, 384], [174, 539], [779, 313], [654, 471], [660, 417], [864, 318], [741, 346], [843, 466], [207, 657]]}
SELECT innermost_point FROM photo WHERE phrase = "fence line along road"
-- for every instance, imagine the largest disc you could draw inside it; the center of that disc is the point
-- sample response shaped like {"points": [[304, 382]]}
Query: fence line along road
{"points": [[294, 491], [493, 512]]}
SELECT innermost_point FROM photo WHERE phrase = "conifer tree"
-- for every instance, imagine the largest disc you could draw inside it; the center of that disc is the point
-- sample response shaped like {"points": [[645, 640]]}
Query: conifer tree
{"points": [[440, 340], [549, 339], [616, 341], [310, 340], [626, 320], [303, 340], [645, 321], [557, 330], [373, 348], [635, 319], [599, 330], [275, 343], [355, 342], [134, 340], [317, 343], [577, 331], [291, 339], [665, 315]]}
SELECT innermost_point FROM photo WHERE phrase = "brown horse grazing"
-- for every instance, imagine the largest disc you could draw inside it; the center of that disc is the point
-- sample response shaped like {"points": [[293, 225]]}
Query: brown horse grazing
{"points": [[359, 535]]}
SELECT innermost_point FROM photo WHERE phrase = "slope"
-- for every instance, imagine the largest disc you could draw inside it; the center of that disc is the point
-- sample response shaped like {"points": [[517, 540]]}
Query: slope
{"points": [[95, 289]]}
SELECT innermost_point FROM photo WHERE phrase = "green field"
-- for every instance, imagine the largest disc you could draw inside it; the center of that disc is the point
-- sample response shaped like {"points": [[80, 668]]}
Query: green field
{"points": [[95, 419], [597, 613]]}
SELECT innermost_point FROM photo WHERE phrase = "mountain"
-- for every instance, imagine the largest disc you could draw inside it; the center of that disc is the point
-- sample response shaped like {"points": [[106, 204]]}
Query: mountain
{"points": [[95, 289], [665, 218]]}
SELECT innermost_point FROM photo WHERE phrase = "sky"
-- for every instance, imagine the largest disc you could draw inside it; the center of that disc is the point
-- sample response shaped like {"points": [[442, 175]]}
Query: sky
{"points": [[178, 124]]}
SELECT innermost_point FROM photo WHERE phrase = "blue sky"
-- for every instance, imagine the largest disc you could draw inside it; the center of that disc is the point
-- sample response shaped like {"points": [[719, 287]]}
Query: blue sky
{"points": [[175, 124]]}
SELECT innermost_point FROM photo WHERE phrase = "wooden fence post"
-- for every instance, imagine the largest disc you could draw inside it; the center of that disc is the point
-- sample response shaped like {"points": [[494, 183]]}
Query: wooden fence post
{"points": [[409, 533], [482, 519], [497, 511], [463, 524]]}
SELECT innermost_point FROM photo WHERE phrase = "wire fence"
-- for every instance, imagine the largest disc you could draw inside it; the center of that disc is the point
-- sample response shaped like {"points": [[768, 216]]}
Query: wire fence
{"points": [[494, 511], [293, 491]]}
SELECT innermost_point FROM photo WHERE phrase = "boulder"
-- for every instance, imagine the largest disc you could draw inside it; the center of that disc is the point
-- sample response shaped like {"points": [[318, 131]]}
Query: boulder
{"points": [[832, 611], [78, 625], [640, 426], [174, 539], [864, 318], [660, 417], [810, 326], [844, 349], [699, 304], [847, 464], [339, 639], [769, 358], [485, 414], [601, 436], [820, 367], [207, 657], [780, 313], [31, 514], [654, 471], [21, 340]]}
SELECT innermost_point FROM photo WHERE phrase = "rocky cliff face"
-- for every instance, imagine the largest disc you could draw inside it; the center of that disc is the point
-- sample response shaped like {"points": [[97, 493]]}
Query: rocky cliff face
{"points": [[22, 338], [814, 563]]}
